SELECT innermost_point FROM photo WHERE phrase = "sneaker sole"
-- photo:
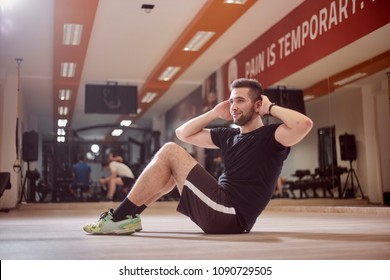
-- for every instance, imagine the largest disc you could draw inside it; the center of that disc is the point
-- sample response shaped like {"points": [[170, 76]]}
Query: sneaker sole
{"points": [[113, 232], [121, 232], [138, 228]]}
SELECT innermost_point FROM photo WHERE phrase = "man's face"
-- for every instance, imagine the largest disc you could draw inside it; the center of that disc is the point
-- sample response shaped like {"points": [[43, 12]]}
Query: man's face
{"points": [[242, 107]]}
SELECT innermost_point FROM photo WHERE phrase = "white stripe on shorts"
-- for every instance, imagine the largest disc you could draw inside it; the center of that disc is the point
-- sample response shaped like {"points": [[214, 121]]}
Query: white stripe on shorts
{"points": [[212, 204]]}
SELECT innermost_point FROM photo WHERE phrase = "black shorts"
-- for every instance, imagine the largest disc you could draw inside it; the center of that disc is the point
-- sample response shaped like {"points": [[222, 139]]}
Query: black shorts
{"points": [[127, 181], [207, 205]]}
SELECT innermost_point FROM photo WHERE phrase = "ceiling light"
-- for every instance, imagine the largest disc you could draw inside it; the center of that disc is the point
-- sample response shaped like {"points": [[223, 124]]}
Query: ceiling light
{"points": [[197, 42], [63, 110], [117, 132], [169, 73], [72, 34], [64, 94], [60, 139], [241, 2], [125, 123], [95, 148], [349, 79], [149, 97], [62, 122], [60, 132], [68, 69]]}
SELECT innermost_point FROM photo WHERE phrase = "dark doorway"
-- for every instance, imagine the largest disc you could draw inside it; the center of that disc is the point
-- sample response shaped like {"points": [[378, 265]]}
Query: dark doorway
{"points": [[327, 157], [329, 172]]}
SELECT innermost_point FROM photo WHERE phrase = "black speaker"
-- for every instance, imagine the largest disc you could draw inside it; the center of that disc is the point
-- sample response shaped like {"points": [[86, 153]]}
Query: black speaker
{"points": [[4, 182], [30, 146], [348, 147], [288, 98]]}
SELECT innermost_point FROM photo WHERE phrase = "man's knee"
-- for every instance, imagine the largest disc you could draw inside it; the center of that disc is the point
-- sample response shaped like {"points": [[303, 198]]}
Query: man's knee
{"points": [[171, 148], [176, 157]]}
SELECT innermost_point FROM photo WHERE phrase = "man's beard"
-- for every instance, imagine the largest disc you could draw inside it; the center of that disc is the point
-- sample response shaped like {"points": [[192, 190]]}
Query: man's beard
{"points": [[244, 118]]}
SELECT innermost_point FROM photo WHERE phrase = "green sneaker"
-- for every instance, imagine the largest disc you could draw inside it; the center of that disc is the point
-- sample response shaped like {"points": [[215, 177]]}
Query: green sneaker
{"points": [[137, 223], [106, 225]]}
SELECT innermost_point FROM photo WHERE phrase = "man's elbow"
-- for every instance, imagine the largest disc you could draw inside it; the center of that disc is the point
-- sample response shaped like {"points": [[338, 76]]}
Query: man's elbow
{"points": [[179, 134], [298, 132], [306, 125]]}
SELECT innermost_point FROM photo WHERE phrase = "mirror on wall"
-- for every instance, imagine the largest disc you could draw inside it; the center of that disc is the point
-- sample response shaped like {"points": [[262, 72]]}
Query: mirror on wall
{"points": [[327, 157]]}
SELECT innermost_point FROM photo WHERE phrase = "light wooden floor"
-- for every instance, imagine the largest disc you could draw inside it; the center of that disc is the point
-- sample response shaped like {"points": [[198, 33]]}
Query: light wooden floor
{"points": [[284, 231]]}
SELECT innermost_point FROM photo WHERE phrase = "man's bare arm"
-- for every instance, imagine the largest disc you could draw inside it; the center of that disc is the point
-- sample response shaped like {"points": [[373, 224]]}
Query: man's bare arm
{"points": [[195, 132], [295, 125]]}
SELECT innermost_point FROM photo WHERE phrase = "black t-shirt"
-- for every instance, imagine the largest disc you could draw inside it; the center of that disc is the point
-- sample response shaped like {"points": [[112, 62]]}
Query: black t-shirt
{"points": [[253, 162]]}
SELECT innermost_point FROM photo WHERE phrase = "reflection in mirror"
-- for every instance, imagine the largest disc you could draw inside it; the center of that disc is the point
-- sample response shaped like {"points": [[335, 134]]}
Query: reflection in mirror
{"points": [[327, 147], [328, 172]]}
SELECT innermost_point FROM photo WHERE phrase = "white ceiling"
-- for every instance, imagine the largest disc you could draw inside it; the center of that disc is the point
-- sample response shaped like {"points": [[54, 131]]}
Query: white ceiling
{"points": [[127, 43]]}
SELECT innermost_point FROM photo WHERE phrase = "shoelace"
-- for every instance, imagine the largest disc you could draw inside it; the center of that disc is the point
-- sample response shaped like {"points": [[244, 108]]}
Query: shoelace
{"points": [[104, 214]]}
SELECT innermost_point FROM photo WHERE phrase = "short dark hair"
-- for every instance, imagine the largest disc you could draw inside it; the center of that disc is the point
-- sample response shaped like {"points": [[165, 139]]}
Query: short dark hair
{"points": [[255, 88]]}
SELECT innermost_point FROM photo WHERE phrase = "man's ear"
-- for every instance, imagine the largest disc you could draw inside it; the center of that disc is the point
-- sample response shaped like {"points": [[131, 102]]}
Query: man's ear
{"points": [[258, 104]]}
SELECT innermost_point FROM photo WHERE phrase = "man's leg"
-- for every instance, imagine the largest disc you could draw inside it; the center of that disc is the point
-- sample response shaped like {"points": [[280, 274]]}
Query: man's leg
{"points": [[169, 168], [112, 187], [73, 192]]}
